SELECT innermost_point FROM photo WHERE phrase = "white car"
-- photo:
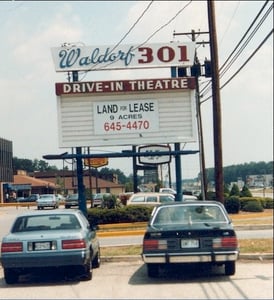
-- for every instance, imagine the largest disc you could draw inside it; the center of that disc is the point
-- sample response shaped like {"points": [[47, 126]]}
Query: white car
{"points": [[47, 200], [150, 198], [168, 190]]}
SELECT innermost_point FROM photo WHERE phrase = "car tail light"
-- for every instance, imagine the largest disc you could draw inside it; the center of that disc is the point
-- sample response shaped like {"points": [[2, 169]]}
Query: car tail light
{"points": [[12, 247], [155, 244], [73, 244], [225, 242]]}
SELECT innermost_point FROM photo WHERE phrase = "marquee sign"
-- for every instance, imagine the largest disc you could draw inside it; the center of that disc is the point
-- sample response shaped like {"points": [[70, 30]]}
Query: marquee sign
{"points": [[94, 58], [128, 112]]}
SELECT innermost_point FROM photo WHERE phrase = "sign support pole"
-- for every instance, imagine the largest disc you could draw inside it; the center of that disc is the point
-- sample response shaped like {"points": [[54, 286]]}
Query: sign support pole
{"points": [[79, 164]]}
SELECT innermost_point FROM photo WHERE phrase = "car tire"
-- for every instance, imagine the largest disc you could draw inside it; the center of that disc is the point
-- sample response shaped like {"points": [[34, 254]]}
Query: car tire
{"points": [[230, 268], [11, 276], [153, 270], [96, 261], [86, 271]]}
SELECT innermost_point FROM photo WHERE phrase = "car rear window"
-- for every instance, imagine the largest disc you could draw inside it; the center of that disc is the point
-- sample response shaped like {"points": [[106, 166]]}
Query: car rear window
{"points": [[138, 199], [188, 215], [46, 222]]}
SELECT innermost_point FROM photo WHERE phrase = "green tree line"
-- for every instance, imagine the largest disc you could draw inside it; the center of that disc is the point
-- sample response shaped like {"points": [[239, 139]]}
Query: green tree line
{"points": [[234, 172], [231, 173]]}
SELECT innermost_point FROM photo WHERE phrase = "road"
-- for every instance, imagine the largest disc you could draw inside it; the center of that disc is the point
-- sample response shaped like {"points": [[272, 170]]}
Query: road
{"points": [[7, 215]]}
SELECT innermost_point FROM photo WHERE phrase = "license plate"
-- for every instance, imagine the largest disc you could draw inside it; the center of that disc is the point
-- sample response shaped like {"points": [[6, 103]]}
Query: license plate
{"points": [[189, 243], [42, 246]]}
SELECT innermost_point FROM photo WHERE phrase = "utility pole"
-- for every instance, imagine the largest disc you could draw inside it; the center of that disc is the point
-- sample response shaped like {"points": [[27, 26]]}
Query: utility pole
{"points": [[218, 156], [197, 73]]}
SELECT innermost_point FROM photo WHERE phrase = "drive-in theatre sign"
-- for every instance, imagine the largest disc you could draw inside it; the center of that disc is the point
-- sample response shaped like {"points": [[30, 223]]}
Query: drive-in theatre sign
{"points": [[126, 112]]}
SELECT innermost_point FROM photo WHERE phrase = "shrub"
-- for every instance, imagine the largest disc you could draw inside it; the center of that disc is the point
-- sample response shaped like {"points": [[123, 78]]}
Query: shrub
{"points": [[253, 206], [268, 203], [109, 201], [232, 205], [245, 200], [245, 192], [235, 191], [125, 214]]}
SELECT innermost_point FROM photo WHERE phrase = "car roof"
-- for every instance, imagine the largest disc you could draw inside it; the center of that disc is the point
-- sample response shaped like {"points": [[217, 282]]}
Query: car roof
{"points": [[50, 212], [192, 202], [151, 194]]}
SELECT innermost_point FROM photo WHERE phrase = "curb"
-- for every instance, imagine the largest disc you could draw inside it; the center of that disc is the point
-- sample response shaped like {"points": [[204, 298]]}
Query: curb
{"points": [[117, 233]]}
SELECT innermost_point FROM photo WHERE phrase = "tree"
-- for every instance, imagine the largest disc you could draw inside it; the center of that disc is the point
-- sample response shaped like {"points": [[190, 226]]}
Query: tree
{"points": [[245, 192], [31, 166], [235, 191]]}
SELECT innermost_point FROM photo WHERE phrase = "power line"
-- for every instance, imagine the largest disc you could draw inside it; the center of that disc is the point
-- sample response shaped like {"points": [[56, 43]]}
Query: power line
{"points": [[244, 35], [249, 58], [123, 38], [164, 25], [244, 64], [154, 33], [205, 90], [245, 43], [135, 23]]}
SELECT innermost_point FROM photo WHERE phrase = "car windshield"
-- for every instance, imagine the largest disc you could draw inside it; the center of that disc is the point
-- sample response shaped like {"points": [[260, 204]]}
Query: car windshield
{"points": [[192, 214], [45, 222]]}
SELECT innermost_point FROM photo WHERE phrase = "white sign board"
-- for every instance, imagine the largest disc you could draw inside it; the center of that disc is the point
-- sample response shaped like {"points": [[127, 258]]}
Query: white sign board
{"points": [[116, 113], [122, 116], [94, 58], [154, 159]]}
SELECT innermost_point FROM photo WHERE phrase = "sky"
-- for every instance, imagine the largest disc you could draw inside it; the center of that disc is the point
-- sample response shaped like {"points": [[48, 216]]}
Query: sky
{"points": [[28, 108]]}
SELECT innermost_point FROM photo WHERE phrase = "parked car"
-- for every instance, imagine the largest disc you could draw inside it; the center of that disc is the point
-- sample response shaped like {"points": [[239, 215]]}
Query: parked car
{"points": [[99, 198], [168, 190], [150, 198], [50, 240], [30, 198], [72, 200], [190, 232], [47, 200], [21, 199]]}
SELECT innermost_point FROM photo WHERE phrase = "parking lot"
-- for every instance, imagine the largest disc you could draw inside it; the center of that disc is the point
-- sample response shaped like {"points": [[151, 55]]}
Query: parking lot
{"points": [[128, 280]]}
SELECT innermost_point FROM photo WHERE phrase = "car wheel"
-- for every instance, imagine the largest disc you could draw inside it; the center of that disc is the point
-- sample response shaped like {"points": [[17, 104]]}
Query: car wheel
{"points": [[230, 268], [86, 273], [96, 261], [11, 276], [152, 270]]}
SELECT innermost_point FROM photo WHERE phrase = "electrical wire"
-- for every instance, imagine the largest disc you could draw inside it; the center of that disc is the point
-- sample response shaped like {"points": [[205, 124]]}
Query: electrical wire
{"points": [[135, 23], [164, 25], [253, 22], [249, 58], [122, 39], [245, 43], [206, 89], [244, 64], [149, 38]]}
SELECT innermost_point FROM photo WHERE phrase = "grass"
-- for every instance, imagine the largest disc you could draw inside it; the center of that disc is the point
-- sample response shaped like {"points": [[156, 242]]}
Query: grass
{"points": [[246, 246]]}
